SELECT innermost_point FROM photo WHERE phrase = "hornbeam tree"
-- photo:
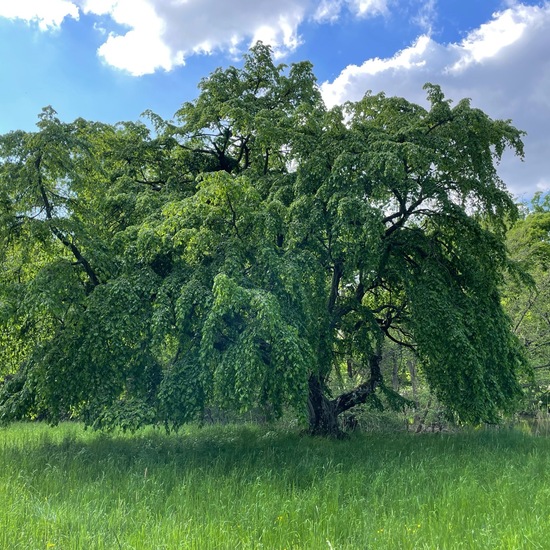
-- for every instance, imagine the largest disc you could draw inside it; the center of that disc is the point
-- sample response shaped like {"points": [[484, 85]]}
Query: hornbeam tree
{"points": [[250, 249]]}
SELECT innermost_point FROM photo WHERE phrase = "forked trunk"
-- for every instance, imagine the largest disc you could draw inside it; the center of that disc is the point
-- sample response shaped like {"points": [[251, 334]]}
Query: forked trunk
{"points": [[323, 412]]}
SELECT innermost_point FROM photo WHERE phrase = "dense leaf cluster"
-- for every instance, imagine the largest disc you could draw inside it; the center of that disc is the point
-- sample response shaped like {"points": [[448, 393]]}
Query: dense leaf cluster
{"points": [[527, 295]]}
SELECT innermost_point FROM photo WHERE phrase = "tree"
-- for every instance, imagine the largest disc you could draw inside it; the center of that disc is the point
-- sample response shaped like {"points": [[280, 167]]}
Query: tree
{"points": [[259, 243], [527, 299]]}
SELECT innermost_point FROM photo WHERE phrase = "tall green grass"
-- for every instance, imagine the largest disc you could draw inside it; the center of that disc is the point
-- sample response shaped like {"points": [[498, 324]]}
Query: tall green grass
{"points": [[246, 487]]}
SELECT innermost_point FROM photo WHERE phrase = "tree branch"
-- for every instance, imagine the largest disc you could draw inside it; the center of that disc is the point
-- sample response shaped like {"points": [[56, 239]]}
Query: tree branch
{"points": [[360, 394], [57, 232]]}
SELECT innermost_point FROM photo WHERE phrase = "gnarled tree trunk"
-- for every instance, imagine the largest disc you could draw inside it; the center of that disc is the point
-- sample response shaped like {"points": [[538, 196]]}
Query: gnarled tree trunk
{"points": [[324, 412]]}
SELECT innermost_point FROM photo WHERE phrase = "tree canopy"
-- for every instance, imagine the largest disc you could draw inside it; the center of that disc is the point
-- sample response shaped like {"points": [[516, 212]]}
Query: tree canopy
{"points": [[242, 253]]}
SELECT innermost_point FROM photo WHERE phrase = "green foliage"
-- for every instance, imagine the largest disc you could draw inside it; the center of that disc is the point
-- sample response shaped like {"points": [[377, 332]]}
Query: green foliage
{"points": [[237, 256], [527, 294]]}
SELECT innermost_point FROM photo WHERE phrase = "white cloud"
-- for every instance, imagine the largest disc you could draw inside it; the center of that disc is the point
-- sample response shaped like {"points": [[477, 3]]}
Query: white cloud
{"points": [[141, 49], [48, 14], [487, 41], [330, 10], [503, 66], [426, 15], [349, 85], [283, 35], [369, 7], [162, 33]]}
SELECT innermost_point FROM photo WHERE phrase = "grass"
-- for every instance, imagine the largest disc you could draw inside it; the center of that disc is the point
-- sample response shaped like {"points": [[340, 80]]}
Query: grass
{"points": [[247, 487]]}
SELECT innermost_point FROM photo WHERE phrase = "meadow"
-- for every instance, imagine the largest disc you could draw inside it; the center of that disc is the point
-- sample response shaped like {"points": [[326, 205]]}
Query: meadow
{"points": [[252, 487]]}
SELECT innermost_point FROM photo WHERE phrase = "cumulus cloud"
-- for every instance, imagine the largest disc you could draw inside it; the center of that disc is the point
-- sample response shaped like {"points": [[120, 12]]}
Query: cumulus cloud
{"points": [[144, 36], [503, 66], [162, 33], [491, 38], [141, 49], [48, 14]]}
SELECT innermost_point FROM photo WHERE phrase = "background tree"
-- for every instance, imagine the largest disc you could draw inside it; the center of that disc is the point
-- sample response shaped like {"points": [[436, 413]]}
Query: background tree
{"points": [[245, 253], [528, 301]]}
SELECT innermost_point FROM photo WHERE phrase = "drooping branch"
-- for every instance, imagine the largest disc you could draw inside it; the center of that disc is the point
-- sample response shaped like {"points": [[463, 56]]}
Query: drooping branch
{"points": [[397, 341], [94, 279]]}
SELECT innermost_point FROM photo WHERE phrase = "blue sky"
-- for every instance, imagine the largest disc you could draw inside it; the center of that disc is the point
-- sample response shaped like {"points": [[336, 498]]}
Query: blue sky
{"points": [[110, 60]]}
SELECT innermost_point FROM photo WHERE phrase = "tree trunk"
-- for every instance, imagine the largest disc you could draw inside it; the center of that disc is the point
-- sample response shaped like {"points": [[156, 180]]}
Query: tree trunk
{"points": [[414, 385], [395, 373], [323, 412]]}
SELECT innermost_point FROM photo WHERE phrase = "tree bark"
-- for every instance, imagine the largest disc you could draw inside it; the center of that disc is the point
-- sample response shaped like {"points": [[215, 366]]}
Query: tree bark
{"points": [[323, 412]]}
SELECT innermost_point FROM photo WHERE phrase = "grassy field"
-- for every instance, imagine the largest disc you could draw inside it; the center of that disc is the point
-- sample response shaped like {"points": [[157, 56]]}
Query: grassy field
{"points": [[247, 487]]}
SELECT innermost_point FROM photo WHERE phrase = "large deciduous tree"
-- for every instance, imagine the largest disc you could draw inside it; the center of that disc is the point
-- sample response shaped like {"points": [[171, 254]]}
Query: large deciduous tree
{"points": [[243, 253]]}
